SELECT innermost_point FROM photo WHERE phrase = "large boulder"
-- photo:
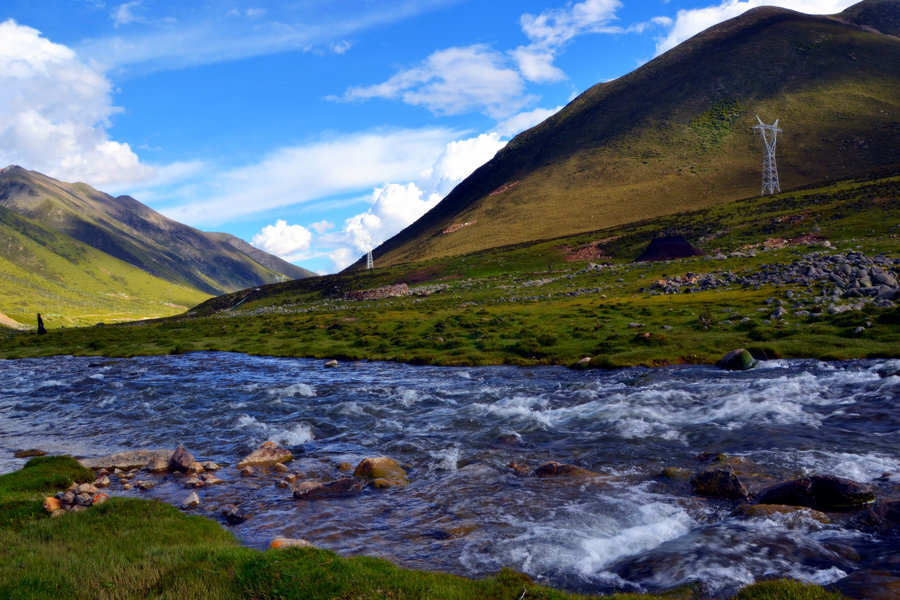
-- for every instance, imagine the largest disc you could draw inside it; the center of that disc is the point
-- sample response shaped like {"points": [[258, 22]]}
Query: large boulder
{"points": [[737, 360], [381, 472], [181, 459], [266, 455], [131, 459], [821, 493], [884, 516], [719, 481]]}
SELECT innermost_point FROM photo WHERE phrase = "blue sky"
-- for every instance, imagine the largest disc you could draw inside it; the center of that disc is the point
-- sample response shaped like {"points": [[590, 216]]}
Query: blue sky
{"points": [[313, 129]]}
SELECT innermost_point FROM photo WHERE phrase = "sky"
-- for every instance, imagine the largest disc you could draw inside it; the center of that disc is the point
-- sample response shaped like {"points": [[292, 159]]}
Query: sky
{"points": [[313, 129]]}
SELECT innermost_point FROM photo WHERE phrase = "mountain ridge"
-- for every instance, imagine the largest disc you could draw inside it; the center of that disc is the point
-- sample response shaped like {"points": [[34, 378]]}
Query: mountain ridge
{"points": [[676, 134], [136, 234]]}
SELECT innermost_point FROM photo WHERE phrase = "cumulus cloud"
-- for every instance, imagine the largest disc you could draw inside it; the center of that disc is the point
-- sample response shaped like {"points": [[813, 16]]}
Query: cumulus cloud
{"points": [[282, 239], [322, 169], [455, 81], [689, 22], [395, 206], [322, 226], [55, 111]]}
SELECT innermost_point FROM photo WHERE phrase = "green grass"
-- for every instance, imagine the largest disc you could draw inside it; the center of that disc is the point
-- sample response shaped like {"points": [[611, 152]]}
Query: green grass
{"points": [[490, 310], [131, 548]]}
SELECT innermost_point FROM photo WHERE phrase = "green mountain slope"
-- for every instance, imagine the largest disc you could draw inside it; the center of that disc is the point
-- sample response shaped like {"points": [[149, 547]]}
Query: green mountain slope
{"points": [[72, 283], [677, 134], [125, 229]]}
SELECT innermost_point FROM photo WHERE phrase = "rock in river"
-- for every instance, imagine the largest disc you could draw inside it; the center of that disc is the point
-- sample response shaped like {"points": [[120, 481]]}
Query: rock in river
{"points": [[340, 488], [381, 472], [719, 481], [821, 493], [737, 360], [266, 455]]}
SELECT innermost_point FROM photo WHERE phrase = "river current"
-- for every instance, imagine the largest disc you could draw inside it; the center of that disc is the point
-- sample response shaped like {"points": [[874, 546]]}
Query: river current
{"points": [[458, 430]]}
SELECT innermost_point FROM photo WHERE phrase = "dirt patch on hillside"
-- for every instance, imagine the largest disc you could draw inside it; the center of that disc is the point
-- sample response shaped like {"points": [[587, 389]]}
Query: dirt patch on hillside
{"points": [[590, 251], [11, 323]]}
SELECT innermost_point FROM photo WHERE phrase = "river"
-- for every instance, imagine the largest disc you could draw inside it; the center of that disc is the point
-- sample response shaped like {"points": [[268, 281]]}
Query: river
{"points": [[458, 430]]}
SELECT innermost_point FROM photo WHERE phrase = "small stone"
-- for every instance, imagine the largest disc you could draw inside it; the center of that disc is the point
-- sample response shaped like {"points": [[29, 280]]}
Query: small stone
{"points": [[84, 499], [29, 453], [100, 499], [331, 364], [102, 482], [193, 482], [345, 466], [86, 488], [283, 542], [341, 488], [210, 479], [291, 477], [195, 468], [127, 486], [280, 468], [146, 485], [582, 364], [209, 465], [236, 516], [192, 501], [266, 455], [247, 472], [552, 468]]}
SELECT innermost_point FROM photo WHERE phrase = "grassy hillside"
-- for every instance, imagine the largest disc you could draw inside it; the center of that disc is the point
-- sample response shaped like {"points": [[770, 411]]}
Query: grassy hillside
{"points": [[73, 284], [542, 303], [127, 230], [677, 134]]}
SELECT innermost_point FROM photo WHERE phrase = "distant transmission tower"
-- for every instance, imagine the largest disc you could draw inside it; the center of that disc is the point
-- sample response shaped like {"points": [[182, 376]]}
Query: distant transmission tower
{"points": [[770, 183], [370, 264]]}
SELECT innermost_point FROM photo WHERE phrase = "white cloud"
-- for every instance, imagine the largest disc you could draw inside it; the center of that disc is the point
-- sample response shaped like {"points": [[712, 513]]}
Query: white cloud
{"points": [[524, 120], [395, 206], [455, 81], [553, 28], [282, 239], [690, 22], [125, 14], [536, 64], [342, 258], [55, 111], [322, 226], [318, 170]]}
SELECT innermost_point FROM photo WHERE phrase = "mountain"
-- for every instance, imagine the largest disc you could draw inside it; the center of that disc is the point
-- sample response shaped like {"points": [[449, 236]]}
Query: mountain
{"points": [[134, 233], [89, 256], [677, 133], [273, 263]]}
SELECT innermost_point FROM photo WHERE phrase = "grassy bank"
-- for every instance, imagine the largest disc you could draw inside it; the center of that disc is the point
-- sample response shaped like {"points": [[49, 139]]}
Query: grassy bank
{"points": [[540, 304], [128, 548]]}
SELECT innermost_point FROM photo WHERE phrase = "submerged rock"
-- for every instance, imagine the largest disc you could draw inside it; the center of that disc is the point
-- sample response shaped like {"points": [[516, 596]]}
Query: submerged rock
{"points": [[737, 360], [762, 511], [340, 488], [266, 455], [821, 493], [884, 516], [381, 472], [192, 501], [552, 468], [29, 453], [719, 481]]}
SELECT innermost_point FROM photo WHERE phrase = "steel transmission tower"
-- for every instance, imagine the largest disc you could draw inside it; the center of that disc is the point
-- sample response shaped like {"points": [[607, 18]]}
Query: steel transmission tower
{"points": [[370, 264], [769, 134]]}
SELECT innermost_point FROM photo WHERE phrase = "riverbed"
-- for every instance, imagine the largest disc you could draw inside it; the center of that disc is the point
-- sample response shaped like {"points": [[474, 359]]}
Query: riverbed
{"points": [[470, 438]]}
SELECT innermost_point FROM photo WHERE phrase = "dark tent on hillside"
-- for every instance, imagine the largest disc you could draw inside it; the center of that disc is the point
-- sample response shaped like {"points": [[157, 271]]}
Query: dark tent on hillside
{"points": [[668, 248]]}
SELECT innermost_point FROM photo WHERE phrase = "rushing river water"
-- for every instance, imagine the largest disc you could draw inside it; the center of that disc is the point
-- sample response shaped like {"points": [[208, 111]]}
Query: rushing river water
{"points": [[458, 429]]}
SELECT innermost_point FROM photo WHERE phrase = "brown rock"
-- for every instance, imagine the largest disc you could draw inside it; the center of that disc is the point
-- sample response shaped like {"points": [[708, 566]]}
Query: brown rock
{"points": [[280, 468], [29, 453], [102, 482], [100, 499], [86, 488], [345, 466], [145, 485], [51, 504], [211, 479], [385, 470], [247, 471], [210, 465], [181, 459], [193, 482], [552, 468], [192, 501], [283, 542], [821, 493], [719, 481], [266, 455], [195, 468]]}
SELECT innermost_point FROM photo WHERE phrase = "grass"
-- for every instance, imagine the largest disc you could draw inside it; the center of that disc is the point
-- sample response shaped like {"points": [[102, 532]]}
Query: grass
{"points": [[503, 306], [132, 548]]}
